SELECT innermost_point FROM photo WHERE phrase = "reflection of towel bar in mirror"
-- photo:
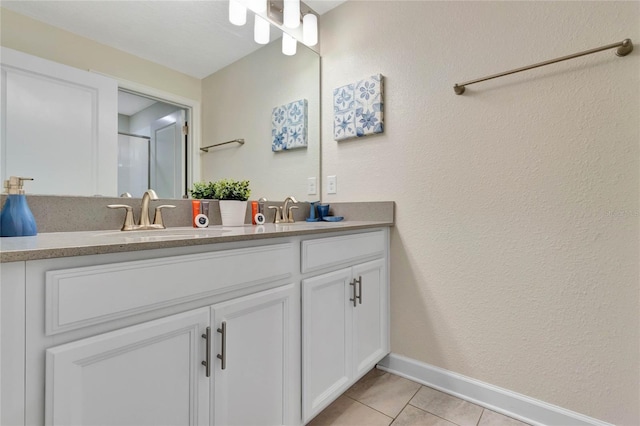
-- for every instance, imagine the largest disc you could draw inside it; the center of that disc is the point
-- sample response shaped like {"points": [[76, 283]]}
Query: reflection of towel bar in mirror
{"points": [[206, 148], [133, 135]]}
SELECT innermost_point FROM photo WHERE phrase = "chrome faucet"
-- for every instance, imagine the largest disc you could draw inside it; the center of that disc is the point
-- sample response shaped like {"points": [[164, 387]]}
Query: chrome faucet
{"points": [[144, 222]]}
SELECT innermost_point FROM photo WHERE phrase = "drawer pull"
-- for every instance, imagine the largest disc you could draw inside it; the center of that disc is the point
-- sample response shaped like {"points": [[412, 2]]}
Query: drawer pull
{"points": [[207, 362], [223, 356], [359, 296], [355, 297]]}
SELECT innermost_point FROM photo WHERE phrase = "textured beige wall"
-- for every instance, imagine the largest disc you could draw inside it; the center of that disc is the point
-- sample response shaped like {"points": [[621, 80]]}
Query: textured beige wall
{"points": [[237, 102], [36, 38], [515, 255]]}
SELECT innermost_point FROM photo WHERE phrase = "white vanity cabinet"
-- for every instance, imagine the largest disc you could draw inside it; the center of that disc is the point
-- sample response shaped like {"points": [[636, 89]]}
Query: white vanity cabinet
{"points": [[344, 315], [283, 325], [260, 352], [121, 341], [147, 374], [233, 361]]}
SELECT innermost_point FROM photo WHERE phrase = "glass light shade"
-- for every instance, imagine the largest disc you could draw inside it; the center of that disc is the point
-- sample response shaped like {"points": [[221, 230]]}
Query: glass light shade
{"points": [[237, 13], [261, 30], [289, 44], [310, 29], [291, 13], [258, 5]]}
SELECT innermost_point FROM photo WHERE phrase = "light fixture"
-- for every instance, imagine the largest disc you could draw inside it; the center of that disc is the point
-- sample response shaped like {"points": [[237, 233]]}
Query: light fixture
{"points": [[237, 13], [310, 29], [289, 44], [284, 15], [261, 30], [291, 13]]}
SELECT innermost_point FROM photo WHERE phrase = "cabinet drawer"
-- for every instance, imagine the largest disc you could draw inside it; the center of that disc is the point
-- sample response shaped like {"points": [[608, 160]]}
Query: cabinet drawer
{"points": [[339, 251], [79, 297]]}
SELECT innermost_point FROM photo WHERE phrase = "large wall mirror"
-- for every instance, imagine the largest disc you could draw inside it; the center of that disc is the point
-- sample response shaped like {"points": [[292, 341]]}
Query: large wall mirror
{"points": [[243, 97], [237, 99]]}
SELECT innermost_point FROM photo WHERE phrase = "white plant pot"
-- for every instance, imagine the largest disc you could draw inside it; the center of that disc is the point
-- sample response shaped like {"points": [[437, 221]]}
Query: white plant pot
{"points": [[233, 212]]}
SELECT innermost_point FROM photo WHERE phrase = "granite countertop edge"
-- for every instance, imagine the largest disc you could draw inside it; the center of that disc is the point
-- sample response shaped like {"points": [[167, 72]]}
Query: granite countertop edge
{"points": [[68, 244]]}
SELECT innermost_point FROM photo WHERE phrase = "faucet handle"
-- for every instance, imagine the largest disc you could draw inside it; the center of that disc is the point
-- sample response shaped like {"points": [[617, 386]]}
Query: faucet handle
{"points": [[278, 210], [157, 219], [128, 217], [290, 218]]}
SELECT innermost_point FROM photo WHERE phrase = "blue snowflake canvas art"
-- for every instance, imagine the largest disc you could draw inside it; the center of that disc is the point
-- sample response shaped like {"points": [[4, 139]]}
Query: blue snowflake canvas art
{"points": [[358, 109], [289, 126]]}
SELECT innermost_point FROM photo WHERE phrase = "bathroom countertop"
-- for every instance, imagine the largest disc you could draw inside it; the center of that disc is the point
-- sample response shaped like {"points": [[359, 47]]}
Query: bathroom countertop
{"points": [[65, 244]]}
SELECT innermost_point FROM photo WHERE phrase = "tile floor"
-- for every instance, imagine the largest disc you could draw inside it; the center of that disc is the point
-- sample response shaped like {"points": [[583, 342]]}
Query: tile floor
{"points": [[384, 399]]}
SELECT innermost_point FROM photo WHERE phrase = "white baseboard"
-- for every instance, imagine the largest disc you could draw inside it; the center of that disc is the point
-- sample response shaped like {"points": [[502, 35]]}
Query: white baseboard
{"points": [[500, 400]]}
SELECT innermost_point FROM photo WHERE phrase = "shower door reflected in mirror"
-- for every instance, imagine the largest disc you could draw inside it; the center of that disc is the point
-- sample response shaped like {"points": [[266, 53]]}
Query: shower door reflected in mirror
{"points": [[152, 146]]}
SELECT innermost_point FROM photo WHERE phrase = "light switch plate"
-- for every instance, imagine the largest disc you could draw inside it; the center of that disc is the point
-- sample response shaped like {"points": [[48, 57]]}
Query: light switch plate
{"points": [[312, 188], [332, 185]]}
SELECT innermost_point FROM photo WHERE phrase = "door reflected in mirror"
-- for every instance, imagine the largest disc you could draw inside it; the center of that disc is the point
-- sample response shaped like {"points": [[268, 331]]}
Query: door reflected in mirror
{"points": [[152, 146]]}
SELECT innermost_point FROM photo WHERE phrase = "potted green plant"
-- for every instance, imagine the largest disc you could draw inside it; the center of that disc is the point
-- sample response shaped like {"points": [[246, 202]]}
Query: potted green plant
{"points": [[202, 190], [233, 196]]}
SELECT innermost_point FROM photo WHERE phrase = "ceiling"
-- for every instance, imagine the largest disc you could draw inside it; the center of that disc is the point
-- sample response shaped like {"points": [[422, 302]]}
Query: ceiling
{"points": [[129, 104], [190, 36]]}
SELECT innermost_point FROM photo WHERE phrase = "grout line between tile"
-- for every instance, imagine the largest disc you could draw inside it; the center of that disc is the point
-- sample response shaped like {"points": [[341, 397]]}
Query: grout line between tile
{"points": [[368, 406], [405, 405], [393, 419], [434, 414]]}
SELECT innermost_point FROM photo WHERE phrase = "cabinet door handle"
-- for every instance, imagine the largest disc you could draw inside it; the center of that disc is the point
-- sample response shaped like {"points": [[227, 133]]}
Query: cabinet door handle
{"points": [[207, 362], [355, 297], [223, 356], [359, 281]]}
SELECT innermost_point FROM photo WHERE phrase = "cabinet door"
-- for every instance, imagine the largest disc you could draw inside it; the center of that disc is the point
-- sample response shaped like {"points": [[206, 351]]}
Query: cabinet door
{"points": [[148, 374], [370, 319], [260, 349], [326, 346]]}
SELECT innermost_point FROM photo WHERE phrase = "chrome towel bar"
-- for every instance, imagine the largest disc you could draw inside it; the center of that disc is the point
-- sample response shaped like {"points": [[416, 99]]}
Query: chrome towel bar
{"points": [[624, 48]]}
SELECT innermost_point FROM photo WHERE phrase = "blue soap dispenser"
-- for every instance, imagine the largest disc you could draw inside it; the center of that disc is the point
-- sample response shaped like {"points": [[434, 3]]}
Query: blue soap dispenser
{"points": [[16, 219]]}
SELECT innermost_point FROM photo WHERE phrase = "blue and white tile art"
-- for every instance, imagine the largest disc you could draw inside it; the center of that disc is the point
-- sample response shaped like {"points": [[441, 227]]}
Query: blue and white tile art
{"points": [[358, 109], [289, 126]]}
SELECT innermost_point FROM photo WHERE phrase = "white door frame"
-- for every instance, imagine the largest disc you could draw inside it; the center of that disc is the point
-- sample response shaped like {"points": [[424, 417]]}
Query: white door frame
{"points": [[192, 105]]}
